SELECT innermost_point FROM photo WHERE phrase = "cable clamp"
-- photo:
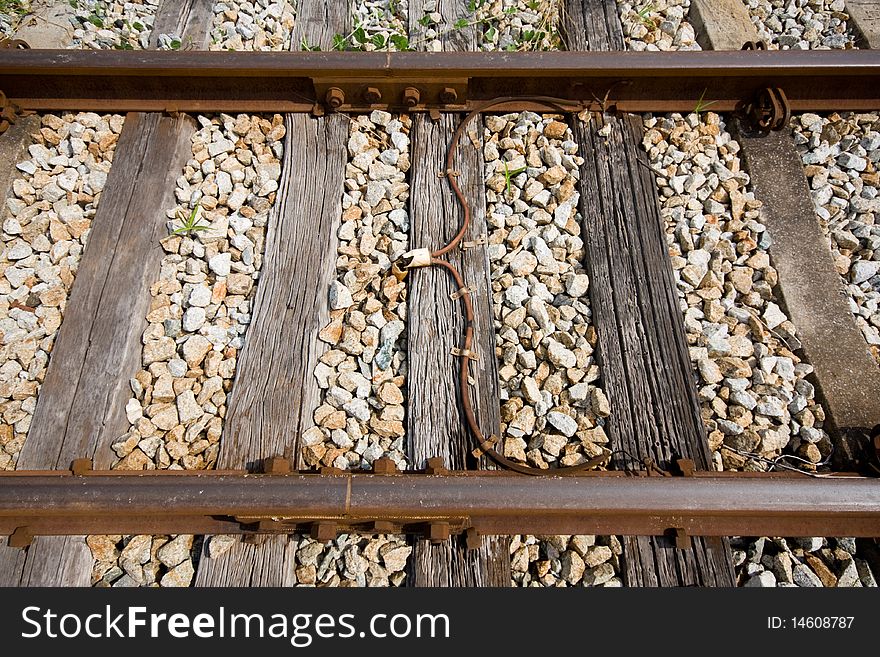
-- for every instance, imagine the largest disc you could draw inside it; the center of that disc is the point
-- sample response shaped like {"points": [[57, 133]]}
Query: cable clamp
{"points": [[448, 172], [471, 380], [485, 446], [458, 294], [416, 258], [466, 353], [482, 239]]}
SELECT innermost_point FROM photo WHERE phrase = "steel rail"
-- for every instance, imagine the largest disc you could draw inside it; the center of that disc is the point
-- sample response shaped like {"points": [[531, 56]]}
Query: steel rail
{"points": [[296, 81], [489, 503]]}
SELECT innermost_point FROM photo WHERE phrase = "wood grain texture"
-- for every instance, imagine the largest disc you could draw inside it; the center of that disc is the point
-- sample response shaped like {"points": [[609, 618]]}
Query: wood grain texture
{"points": [[11, 565], [435, 325], [643, 354], [435, 322], [642, 350], [591, 25], [80, 410], [451, 38], [317, 21], [14, 149], [275, 393], [189, 19], [81, 406]]}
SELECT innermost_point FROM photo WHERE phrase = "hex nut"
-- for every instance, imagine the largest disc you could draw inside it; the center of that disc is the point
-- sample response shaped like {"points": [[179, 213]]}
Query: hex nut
{"points": [[335, 97], [411, 96]]}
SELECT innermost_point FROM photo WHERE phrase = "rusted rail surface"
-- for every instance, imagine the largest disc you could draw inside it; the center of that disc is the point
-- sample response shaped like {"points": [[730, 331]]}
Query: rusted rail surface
{"points": [[703, 504], [452, 81]]}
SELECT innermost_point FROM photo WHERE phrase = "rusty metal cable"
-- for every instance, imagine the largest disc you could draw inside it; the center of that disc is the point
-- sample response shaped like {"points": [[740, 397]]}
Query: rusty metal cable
{"points": [[484, 444]]}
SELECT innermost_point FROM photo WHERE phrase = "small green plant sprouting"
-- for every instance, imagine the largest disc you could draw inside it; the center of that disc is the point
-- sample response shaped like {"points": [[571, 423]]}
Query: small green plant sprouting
{"points": [[359, 38], [644, 15], [701, 104], [304, 45], [508, 174], [15, 12], [190, 224]]}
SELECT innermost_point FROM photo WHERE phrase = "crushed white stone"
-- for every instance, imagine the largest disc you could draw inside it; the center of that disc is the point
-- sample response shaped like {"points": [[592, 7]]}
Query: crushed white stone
{"points": [[543, 329], [46, 221], [362, 375], [110, 24], [262, 25], [657, 25], [802, 24], [841, 153]]}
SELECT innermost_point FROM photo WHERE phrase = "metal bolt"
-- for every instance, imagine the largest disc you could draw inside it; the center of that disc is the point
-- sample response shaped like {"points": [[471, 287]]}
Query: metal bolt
{"points": [[384, 465], [435, 465], [438, 532], [335, 97], [372, 95], [411, 96], [276, 465], [81, 466], [472, 539], [448, 95], [323, 530]]}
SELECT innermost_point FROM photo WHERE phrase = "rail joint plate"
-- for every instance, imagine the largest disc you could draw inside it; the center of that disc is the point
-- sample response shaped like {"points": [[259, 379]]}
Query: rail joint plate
{"points": [[400, 94]]}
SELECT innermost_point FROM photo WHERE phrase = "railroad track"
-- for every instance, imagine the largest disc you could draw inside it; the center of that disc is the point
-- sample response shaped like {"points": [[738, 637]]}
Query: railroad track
{"points": [[291, 319]]}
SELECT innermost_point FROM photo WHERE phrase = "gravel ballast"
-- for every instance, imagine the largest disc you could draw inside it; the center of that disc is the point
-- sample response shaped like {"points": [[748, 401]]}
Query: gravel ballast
{"points": [[753, 389], [362, 376], [198, 318], [46, 221], [840, 154], [657, 25], [11, 16], [553, 405], [109, 24], [262, 25], [802, 24]]}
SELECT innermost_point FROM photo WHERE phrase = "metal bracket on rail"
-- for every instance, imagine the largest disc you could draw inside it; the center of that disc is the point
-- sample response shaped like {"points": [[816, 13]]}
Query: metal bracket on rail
{"points": [[685, 467], [479, 241], [80, 467], [9, 113], [767, 110], [755, 45], [438, 532], [20, 538], [875, 445], [14, 44], [680, 536], [436, 466], [384, 465], [413, 95], [472, 539]]}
